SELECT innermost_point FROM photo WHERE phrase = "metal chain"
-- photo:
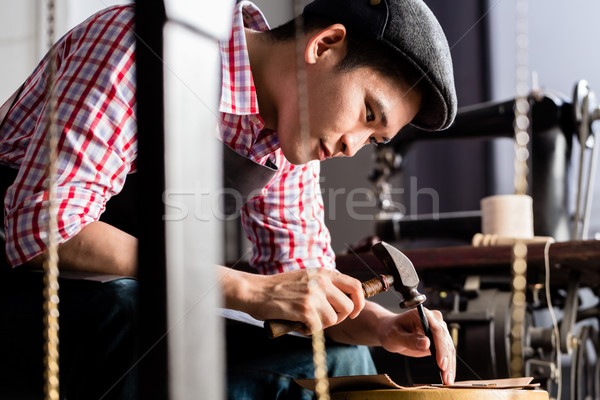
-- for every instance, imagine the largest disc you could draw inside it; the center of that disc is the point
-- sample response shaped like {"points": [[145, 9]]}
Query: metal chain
{"points": [[521, 127], [301, 85], [320, 361], [318, 338], [319, 352], [519, 284], [51, 299]]}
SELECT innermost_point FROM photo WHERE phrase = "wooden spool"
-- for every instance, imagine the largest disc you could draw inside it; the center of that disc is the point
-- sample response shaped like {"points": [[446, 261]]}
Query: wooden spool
{"points": [[442, 394]]}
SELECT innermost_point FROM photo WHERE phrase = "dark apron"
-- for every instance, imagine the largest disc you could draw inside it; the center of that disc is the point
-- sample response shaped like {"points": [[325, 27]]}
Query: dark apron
{"points": [[242, 177]]}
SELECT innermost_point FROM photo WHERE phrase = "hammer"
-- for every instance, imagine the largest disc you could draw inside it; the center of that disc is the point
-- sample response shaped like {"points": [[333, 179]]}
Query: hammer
{"points": [[405, 282], [401, 274]]}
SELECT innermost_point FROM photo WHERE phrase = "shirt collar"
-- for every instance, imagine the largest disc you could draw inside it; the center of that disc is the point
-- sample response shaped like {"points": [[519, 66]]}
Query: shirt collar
{"points": [[238, 94]]}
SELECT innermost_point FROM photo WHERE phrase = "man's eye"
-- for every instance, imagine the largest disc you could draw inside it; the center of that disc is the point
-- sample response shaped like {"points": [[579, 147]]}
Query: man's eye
{"points": [[370, 115], [374, 141]]}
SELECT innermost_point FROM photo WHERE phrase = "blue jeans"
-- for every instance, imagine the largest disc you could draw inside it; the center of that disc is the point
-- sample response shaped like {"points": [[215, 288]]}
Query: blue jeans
{"points": [[262, 368], [97, 337]]}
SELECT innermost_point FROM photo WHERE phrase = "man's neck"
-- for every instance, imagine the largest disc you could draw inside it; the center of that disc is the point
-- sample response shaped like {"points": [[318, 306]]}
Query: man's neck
{"points": [[272, 64]]}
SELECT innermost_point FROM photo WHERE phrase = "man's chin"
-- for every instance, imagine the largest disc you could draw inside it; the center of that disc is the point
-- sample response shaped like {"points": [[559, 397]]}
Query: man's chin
{"points": [[297, 157], [299, 160]]}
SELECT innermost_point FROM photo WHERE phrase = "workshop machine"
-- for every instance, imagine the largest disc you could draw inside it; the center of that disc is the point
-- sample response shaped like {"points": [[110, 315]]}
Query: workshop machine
{"points": [[477, 299]]}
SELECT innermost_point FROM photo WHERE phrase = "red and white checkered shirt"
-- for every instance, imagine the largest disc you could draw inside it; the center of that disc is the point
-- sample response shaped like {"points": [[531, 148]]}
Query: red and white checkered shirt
{"points": [[98, 146]]}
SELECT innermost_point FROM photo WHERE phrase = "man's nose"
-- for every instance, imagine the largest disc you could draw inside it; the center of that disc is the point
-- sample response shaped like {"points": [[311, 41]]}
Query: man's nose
{"points": [[354, 141]]}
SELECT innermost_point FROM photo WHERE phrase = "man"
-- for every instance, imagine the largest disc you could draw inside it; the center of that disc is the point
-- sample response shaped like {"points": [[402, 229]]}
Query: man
{"points": [[371, 68]]}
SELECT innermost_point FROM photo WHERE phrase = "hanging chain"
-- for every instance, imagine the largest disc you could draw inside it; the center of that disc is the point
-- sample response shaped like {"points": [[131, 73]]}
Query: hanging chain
{"points": [[302, 87], [319, 353], [521, 127], [320, 362], [521, 109], [519, 284], [51, 385], [318, 338]]}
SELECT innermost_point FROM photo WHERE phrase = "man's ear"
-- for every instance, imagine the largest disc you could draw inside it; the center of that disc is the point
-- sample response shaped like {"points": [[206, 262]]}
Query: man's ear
{"points": [[329, 40]]}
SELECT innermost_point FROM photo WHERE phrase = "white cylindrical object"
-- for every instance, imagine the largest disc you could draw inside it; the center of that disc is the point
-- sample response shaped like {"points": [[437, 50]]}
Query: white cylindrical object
{"points": [[507, 215]]}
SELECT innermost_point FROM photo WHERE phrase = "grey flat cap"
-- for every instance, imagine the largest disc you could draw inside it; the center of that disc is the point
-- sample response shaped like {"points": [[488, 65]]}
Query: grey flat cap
{"points": [[410, 29]]}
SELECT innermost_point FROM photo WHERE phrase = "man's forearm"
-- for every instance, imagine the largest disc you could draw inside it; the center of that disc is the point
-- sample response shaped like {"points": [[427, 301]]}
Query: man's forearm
{"points": [[99, 248], [236, 287]]}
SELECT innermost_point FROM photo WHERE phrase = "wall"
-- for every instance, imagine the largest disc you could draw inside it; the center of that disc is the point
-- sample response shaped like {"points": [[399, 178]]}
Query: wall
{"points": [[562, 49], [18, 42], [23, 36]]}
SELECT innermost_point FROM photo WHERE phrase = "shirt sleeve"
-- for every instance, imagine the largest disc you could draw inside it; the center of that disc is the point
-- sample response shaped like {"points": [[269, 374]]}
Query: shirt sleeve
{"points": [[95, 122], [286, 223]]}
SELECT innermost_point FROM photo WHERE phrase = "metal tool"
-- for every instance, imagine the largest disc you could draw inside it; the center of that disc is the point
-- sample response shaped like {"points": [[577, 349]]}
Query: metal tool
{"points": [[406, 282], [586, 113], [402, 276]]}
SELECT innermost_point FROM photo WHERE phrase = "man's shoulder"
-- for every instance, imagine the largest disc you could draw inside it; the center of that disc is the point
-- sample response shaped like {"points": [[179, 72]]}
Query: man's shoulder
{"points": [[104, 38], [105, 20]]}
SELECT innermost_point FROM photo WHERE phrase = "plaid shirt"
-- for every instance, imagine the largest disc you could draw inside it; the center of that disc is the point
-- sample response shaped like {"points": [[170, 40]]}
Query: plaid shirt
{"points": [[98, 146], [285, 223]]}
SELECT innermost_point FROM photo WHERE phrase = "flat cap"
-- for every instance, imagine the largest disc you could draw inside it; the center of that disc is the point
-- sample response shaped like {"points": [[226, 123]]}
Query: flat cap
{"points": [[409, 28]]}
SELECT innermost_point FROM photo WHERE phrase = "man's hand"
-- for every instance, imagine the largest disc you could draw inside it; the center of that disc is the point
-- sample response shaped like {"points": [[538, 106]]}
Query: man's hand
{"points": [[404, 334], [318, 298], [325, 299]]}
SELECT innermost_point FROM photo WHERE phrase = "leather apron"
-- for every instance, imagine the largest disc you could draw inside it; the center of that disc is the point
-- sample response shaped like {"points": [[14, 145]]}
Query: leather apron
{"points": [[242, 178]]}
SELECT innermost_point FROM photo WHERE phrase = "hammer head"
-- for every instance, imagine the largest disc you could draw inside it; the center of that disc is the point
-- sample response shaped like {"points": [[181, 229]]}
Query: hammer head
{"points": [[403, 271]]}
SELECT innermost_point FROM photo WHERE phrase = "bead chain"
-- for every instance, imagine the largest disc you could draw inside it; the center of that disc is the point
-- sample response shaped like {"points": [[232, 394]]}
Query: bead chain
{"points": [[521, 127], [51, 326], [318, 338]]}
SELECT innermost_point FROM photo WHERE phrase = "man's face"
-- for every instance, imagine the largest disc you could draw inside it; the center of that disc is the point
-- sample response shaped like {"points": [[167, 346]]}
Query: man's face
{"points": [[346, 110]]}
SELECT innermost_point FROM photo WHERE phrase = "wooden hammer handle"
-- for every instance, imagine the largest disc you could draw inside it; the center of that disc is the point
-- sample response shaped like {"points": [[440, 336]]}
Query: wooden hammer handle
{"points": [[279, 327], [381, 283]]}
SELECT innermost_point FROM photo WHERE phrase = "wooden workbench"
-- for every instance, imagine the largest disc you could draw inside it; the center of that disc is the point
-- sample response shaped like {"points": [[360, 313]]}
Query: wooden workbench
{"points": [[432, 264], [441, 394]]}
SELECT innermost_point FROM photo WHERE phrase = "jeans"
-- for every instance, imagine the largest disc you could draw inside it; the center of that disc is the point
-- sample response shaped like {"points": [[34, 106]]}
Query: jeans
{"points": [[262, 368], [97, 337]]}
